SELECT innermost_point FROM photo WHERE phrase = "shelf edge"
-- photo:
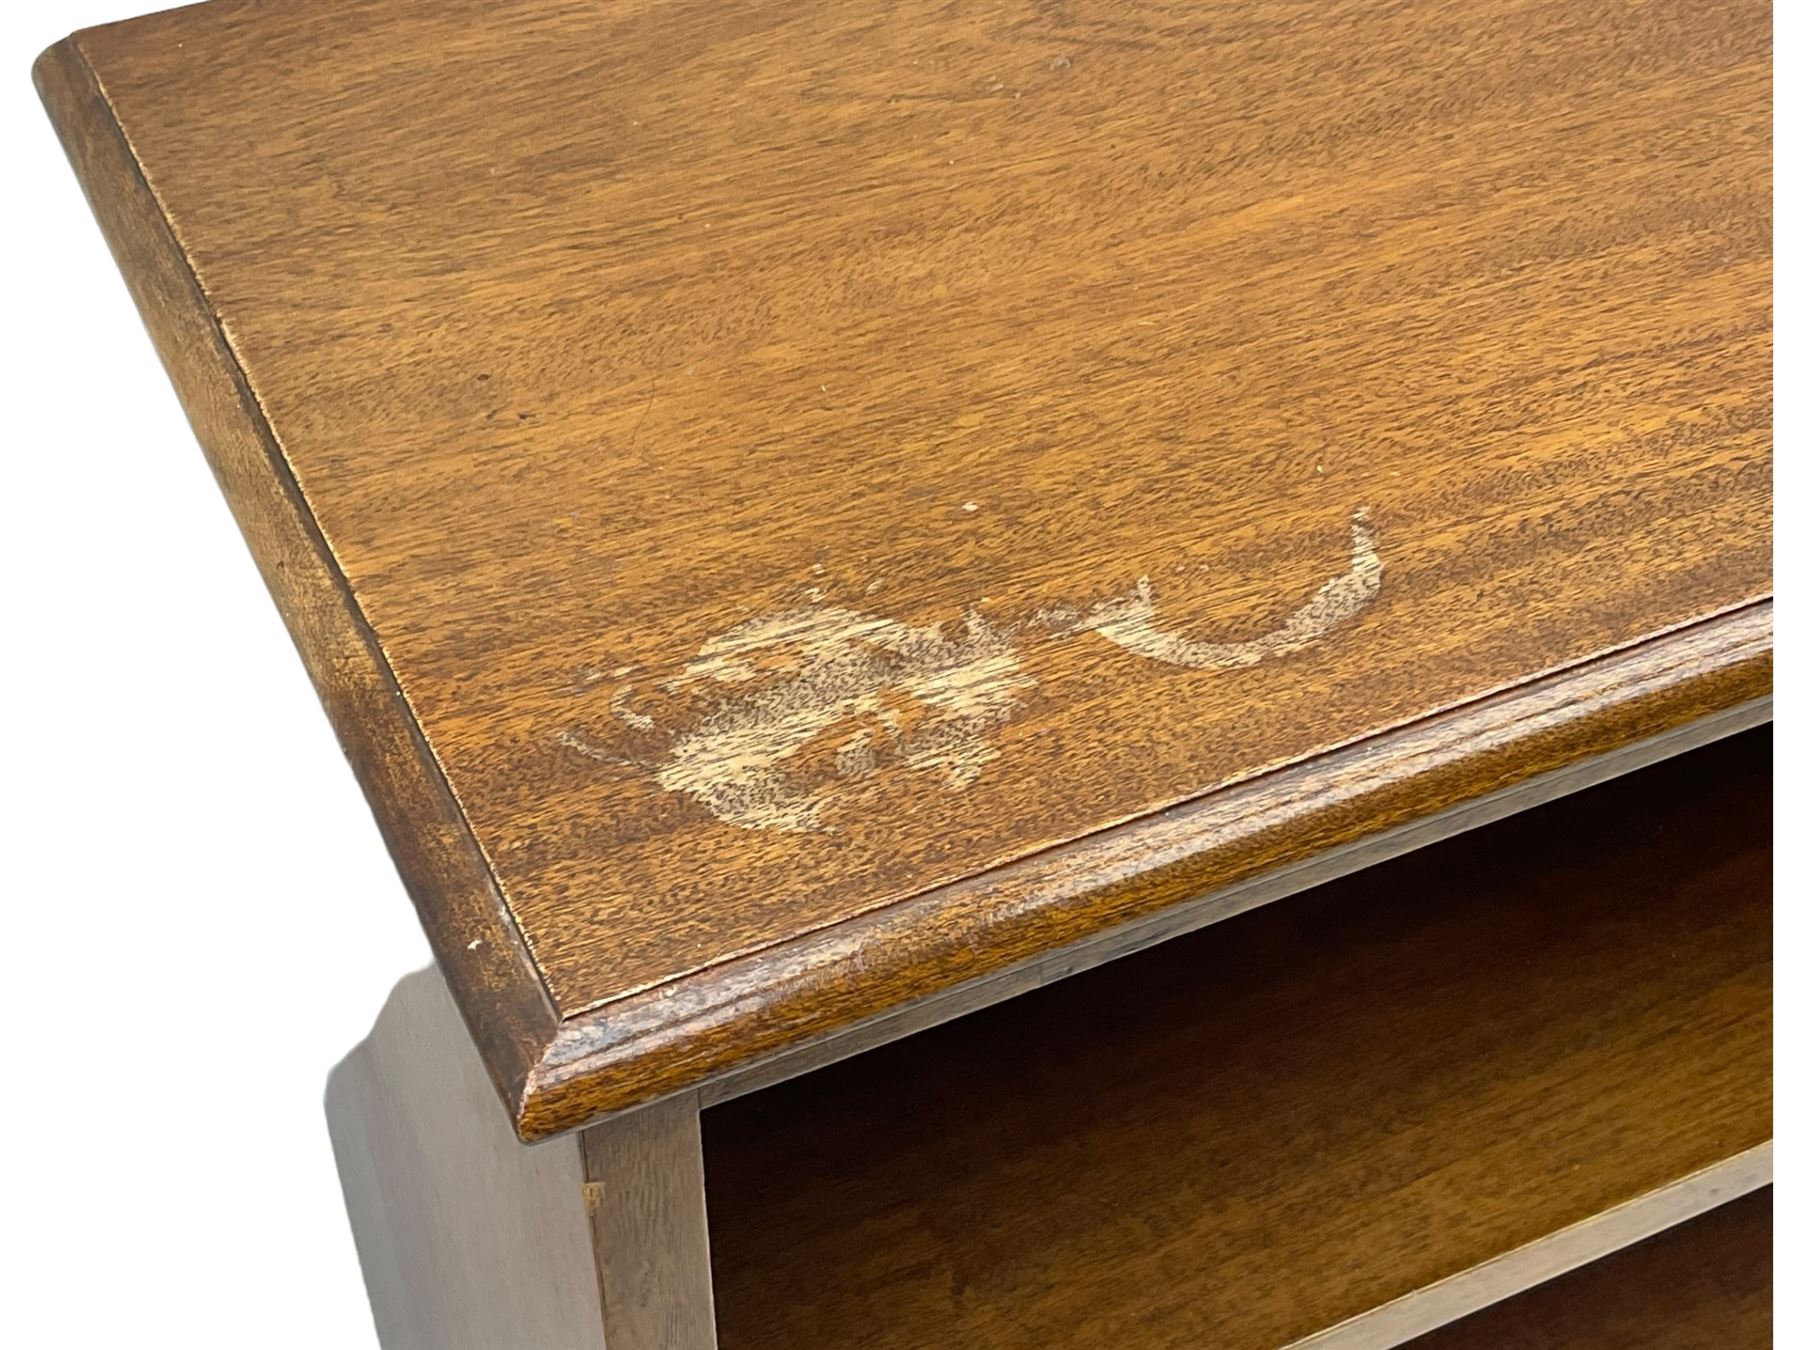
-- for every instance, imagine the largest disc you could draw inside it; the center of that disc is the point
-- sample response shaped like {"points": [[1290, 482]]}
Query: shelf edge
{"points": [[498, 988], [1590, 1239], [790, 1008]]}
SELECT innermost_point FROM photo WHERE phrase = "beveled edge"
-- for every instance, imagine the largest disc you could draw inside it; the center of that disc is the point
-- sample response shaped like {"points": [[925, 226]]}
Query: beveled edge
{"points": [[932, 955], [945, 952], [472, 934]]}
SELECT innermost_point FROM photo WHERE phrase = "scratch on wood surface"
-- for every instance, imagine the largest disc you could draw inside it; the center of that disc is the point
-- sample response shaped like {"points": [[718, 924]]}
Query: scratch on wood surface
{"points": [[581, 745], [922, 698], [636, 720], [1131, 620], [841, 666]]}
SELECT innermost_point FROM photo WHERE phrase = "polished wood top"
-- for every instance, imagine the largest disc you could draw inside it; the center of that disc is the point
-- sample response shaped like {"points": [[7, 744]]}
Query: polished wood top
{"points": [[781, 500]]}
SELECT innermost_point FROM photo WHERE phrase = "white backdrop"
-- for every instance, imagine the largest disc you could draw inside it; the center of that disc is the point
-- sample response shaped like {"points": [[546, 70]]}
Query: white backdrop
{"points": [[183, 839], [182, 836]]}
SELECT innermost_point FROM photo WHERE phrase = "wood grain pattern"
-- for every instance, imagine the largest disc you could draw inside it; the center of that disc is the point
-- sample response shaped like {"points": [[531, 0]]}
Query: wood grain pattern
{"points": [[471, 931], [1122, 939], [1055, 413], [1707, 1285], [1281, 1123], [1183, 865]]}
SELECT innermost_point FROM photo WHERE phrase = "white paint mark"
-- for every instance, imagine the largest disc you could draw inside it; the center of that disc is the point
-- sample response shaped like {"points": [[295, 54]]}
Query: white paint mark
{"points": [[594, 675], [637, 721], [476, 943], [760, 694], [1131, 620], [815, 669], [971, 506], [581, 745]]}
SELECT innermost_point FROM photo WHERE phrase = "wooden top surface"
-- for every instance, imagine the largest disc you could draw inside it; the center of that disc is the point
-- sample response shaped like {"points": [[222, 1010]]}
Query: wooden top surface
{"points": [[736, 470]]}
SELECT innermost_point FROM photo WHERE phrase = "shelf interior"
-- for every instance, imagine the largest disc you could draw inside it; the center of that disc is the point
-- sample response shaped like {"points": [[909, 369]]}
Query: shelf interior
{"points": [[1259, 1131]]}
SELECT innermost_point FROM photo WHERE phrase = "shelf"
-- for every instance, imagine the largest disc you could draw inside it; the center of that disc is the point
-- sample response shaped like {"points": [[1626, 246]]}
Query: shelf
{"points": [[1513, 1051], [1705, 1285]]}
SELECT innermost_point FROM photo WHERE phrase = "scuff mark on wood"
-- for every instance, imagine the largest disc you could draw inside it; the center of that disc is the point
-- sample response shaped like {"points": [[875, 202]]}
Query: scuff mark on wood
{"points": [[922, 698], [1131, 620], [835, 666], [635, 720]]}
